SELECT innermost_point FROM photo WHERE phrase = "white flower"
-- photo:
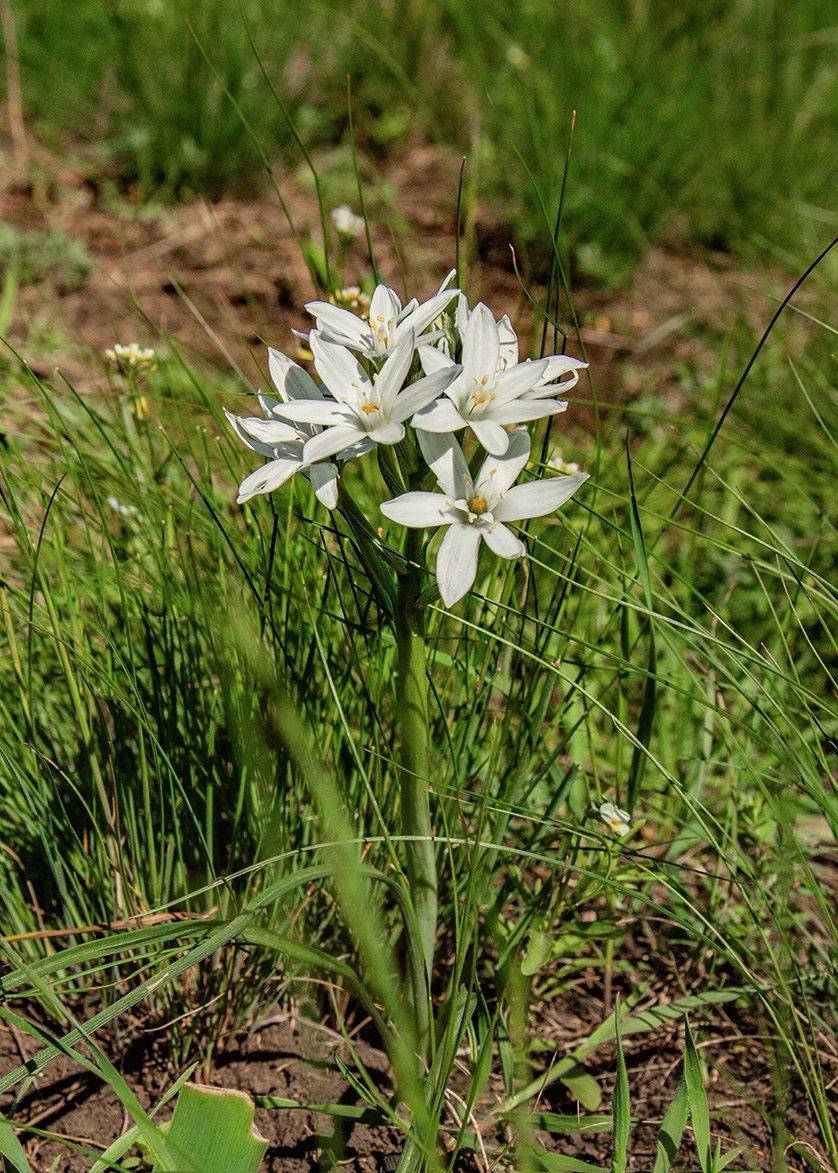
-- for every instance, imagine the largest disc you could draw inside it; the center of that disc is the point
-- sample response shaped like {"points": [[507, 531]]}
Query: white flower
{"points": [[487, 395], [366, 409], [387, 325], [434, 356], [283, 442], [346, 222], [618, 820], [476, 511], [131, 357], [122, 510]]}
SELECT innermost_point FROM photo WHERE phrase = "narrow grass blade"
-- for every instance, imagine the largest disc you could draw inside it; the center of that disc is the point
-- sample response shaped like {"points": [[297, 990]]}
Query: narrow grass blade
{"points": [[699, 1108], [11, 1149], [671, 1130], [620, 1110]]}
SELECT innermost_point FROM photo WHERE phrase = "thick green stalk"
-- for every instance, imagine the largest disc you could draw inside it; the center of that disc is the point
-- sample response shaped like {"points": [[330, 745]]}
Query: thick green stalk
{"points": [[414, 757]]}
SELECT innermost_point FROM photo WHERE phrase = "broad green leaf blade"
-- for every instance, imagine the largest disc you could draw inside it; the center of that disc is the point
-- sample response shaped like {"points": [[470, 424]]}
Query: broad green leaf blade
{"points": [[559, 1163], [699, 1108], [12, 1149], [212, 1131], [621, 1111], [561, 1125], [671, 1130], [583, 1087]]}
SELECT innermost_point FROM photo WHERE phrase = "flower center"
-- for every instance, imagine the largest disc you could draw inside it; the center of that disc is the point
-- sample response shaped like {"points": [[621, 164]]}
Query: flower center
{"points": [[369, 408], [478, 505]]}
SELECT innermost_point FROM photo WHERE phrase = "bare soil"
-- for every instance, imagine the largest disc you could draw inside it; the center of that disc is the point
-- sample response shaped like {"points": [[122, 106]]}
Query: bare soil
{"points": [[290, 1057]]}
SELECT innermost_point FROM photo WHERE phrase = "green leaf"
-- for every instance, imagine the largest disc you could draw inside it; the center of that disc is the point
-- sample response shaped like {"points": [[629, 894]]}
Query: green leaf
{"points": [[559, 1163], [561, 1125], [621, 1111], [671, 1130], [699, 1108], [539, 948], [583, 1087], [212, 1131], [12, 1149]]}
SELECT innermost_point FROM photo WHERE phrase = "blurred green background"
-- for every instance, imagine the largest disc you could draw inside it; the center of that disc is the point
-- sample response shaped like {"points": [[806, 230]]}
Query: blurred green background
{"points": [[710, 122]]}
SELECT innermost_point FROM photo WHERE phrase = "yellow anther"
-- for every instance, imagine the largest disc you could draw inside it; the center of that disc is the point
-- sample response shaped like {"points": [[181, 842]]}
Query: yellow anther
{"points": [[369, 408]]}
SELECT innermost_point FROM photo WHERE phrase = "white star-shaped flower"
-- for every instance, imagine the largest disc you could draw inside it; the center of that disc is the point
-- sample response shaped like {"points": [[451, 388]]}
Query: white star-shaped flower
{"points": [[283, 442], [386, 326], [476, 511], [365, 408], [490, 392], [618, 820]]}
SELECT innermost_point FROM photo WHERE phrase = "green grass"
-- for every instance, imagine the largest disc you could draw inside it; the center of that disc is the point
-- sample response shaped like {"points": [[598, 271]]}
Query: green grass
{"points": [[197, 702], [711, 124]]}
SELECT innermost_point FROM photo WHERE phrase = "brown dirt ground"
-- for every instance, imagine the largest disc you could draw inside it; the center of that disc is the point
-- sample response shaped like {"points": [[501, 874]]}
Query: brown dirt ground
{"points": [[221, 281], [294, 1058]]}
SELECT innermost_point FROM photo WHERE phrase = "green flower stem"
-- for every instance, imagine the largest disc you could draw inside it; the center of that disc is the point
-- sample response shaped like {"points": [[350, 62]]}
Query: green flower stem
{"points": [[412, 706]]}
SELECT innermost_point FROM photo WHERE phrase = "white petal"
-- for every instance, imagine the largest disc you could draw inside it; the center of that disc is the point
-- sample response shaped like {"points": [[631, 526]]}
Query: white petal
{"points": [[448, 283], [387, 433], [340, 324], [339, 369], [491, 435], [394, 372], [315, 411], [500, 472], [418, 510], [481, 345], [441, 416], [331, 441], [502, 541], [267, 478], [424, 314], [456, 561], [518, 379], [324, 481], [508, 342], [560, 364], [421, 394], [433, 360], [384, 306], [291, 381], [537, 498], [445, 459], [520, 410]]}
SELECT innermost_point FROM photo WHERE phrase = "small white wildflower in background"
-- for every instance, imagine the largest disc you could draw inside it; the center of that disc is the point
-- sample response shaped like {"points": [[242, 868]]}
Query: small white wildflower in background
{"points": [[122, 510], [618, 820], [346, 222], [352, 298], [557, 462], [476, 510], [131, 358]]}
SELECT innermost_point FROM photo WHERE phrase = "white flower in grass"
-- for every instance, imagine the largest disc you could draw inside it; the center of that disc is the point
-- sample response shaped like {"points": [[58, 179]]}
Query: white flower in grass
{"points": [[487, 395], [618, 820], [283, 442], [346, 222], [476, 511], [364, 409], [386, 326]]}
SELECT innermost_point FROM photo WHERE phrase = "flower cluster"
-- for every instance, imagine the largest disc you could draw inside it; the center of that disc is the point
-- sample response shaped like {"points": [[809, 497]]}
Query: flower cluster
{"points": [[438, 367], [130, 358]]}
